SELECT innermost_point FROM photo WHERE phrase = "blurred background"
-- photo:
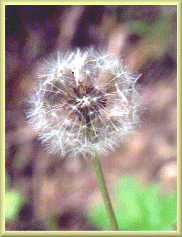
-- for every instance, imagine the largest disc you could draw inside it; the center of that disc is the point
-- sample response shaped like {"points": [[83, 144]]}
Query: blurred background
{"points": [[46, 192]]}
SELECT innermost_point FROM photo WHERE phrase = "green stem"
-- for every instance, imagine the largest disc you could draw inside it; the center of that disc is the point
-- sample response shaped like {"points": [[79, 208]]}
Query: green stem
{"points": [[105, 193]]}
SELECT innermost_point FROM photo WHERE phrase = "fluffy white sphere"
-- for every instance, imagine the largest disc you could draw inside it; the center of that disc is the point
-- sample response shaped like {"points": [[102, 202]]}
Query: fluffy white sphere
{"points": [[85, 102]]}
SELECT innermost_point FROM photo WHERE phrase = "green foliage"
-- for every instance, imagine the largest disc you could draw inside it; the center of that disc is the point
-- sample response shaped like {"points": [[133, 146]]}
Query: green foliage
{"points": [[160, 31], [12, 204], [13, 201], [139, 209], [137, 27]]}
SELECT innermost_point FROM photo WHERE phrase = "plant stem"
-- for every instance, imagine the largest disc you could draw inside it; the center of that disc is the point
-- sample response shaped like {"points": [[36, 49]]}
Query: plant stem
{"points": [[105, 194]]}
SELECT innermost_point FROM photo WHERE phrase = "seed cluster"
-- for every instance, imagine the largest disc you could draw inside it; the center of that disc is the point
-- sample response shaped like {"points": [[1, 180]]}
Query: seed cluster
{"points": [[87, 103], [84, 102]]}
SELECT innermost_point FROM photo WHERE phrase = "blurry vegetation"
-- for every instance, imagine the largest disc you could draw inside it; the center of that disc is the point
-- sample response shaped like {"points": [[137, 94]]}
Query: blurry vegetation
{"points": [[124, 13], [139, 209], [13, 202]]}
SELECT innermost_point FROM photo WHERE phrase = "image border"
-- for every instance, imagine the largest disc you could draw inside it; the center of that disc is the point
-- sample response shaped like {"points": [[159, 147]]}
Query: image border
{"points": [[2, 122]]}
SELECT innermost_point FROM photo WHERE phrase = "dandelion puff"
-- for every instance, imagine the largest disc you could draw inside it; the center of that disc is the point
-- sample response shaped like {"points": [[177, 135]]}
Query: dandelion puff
{"points": [[84, 102]]}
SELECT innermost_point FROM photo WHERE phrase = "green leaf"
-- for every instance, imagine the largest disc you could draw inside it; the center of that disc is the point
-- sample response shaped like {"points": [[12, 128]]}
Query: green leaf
{"points": [[12, 204], [138, 208]]}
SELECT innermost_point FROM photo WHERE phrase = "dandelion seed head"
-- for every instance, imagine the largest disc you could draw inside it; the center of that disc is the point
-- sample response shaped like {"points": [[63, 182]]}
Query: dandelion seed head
{"points": [[84, 102]]}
